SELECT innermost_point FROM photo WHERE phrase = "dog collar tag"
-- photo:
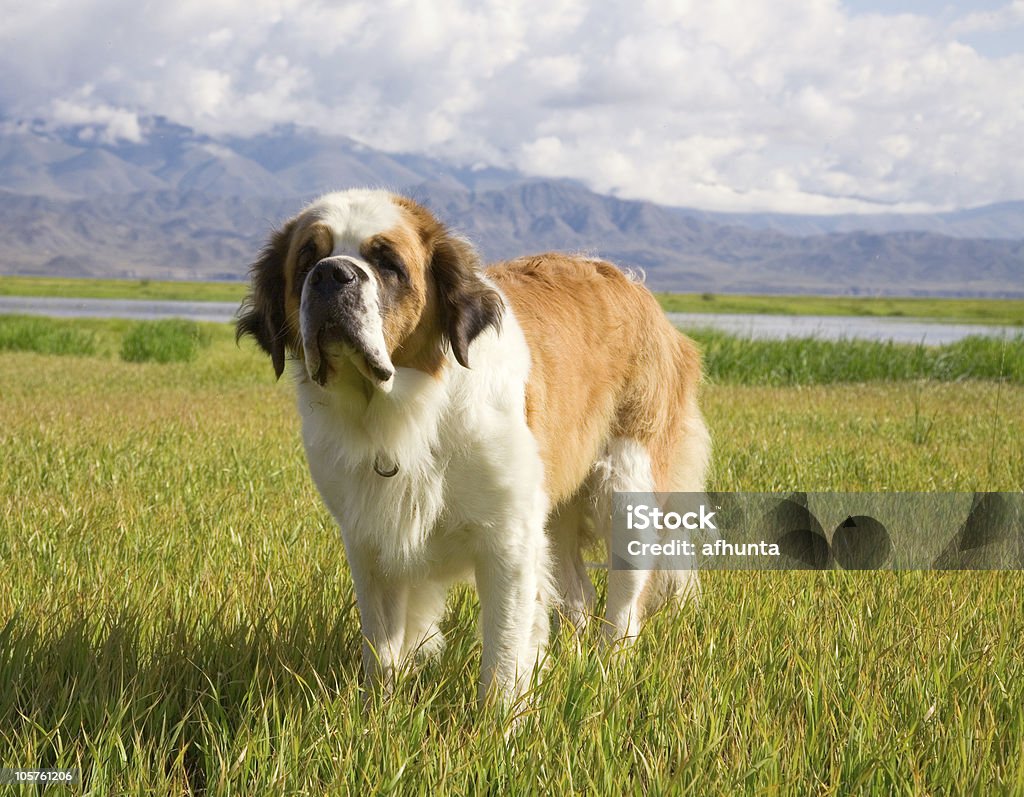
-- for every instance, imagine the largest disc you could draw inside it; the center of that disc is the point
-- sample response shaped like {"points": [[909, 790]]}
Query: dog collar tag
{"points": [[379, 469]]}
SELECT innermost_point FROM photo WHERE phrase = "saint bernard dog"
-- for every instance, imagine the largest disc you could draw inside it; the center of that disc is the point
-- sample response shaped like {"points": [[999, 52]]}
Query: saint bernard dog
{"points": [[470, 423]]}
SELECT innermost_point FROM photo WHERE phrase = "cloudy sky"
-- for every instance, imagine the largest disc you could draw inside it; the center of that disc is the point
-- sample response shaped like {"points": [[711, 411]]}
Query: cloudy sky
{"points": [[793, 105]]}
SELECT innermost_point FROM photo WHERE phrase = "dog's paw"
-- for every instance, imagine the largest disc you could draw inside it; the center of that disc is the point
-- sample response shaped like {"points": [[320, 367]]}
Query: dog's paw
{"points": [[429, 645]]}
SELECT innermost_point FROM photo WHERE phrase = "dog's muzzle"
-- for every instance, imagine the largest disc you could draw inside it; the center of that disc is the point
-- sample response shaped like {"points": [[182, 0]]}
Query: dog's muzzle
{"points": [[339, 311]]}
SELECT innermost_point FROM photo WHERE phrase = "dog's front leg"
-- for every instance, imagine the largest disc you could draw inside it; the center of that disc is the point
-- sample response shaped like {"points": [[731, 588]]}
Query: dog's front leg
{"points": [[512, 583], [382, 611]]}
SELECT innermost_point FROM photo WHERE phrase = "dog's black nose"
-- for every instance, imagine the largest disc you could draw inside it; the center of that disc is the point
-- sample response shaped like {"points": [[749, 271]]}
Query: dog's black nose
{"points": [[331, 274]]}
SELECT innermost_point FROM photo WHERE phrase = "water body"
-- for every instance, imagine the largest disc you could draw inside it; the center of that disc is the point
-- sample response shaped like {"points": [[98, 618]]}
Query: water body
{"points": [[744, 325], [830, 327], [145, 310]]}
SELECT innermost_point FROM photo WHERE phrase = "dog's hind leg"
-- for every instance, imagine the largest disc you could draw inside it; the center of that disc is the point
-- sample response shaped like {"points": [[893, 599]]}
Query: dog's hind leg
{"points": [[574, 590], [625, 467]]}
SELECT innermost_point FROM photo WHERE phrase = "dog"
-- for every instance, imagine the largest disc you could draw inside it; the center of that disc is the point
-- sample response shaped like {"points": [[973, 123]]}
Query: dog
{"points": [[472, 424]]}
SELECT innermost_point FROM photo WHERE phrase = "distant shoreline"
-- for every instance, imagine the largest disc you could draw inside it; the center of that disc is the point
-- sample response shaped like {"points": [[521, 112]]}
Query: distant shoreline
{"points": [[995, 312], [743, 326]]}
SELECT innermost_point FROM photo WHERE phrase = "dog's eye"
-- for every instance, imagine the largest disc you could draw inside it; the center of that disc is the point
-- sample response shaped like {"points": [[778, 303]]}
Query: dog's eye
{"points": [[389, 264], [307, 252]]}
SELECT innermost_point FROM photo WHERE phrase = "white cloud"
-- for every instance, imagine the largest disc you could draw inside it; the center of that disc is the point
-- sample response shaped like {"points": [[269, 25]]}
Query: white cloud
{"points": [[1009, 16], [99, 121], [559, 72], [792, 105]]}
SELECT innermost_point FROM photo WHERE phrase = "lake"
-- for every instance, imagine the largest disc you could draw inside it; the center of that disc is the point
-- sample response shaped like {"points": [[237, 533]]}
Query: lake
{"points": [[828, 327], [744, 325]]}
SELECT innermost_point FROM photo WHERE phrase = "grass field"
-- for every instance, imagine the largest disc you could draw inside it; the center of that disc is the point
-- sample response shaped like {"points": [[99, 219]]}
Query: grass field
{"points": [[726, 358], [177, 617], [157, 290], [981, 311]]}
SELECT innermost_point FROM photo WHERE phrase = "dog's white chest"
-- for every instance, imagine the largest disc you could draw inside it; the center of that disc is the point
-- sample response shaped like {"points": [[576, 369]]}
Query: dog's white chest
{"points": [[353, 446], [396, 520], [464, 455]]}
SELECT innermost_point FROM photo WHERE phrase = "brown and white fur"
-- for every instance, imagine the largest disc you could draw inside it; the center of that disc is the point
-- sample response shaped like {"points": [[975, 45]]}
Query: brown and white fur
{"points": [[508, 403]]}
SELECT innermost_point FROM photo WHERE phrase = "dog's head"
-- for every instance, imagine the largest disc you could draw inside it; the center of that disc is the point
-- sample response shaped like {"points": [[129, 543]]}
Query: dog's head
{"points": [[367, 280]]}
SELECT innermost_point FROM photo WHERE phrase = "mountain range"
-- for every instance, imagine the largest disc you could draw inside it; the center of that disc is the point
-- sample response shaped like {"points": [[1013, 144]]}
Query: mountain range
{"points": [[177, 204]]}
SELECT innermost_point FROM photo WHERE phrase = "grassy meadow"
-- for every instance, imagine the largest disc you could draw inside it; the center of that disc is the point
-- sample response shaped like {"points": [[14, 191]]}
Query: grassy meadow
{"points": [[965, 311], [153, 290], [176, 616]]}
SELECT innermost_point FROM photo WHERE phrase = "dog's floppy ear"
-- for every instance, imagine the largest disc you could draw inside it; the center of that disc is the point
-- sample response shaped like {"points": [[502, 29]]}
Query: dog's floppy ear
{"points": [[262, 312], [468, 305]]}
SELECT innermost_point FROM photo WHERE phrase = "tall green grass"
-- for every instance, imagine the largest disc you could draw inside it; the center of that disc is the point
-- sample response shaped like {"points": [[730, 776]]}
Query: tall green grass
{"points": [[727, 359], [172, 340], [44, 335], [807, 361]]}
